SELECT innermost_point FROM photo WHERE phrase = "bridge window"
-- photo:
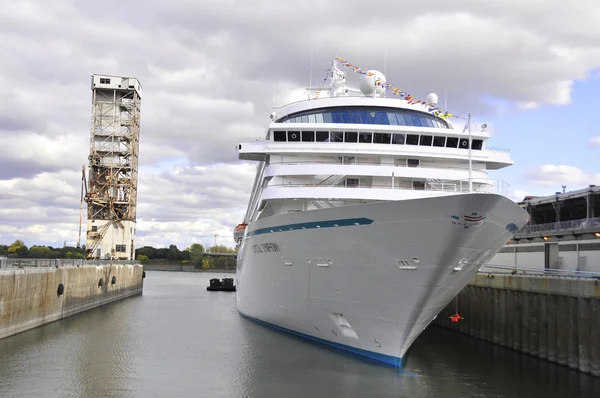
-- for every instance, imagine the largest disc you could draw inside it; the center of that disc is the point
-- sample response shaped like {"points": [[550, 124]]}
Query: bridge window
{"points": [[451, 142], [412, 139], [322, 136], [398, 139], [308, 136], [337, 136], [425, 140], [376, 138], [367, 115], [293, 135], [412, 162], [382, 118], [279, 135], [351, 136], [381, 138], [439, 141], [366, 138]]}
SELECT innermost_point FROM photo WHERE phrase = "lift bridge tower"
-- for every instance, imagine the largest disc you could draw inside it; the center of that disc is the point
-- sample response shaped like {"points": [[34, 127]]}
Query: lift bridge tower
{"points": [[111, 193]]}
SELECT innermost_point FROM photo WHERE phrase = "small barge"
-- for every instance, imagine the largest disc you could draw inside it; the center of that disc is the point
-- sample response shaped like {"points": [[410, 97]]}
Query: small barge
{"points": [[223, 285]]}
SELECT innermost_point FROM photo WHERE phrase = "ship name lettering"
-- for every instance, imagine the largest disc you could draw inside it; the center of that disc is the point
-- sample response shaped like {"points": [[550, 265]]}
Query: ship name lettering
{"points": [[266, 248]]}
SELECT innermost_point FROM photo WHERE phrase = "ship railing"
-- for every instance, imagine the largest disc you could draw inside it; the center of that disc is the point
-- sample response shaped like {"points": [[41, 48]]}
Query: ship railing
{"points": [[255, 138], [476, 154], [585, 223], [421, 166], [481, 185], [539, 271]]}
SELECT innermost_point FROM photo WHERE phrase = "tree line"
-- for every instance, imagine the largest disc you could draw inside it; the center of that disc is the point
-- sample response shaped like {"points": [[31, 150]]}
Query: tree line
{"points": [[193, 255], [19, 249]]}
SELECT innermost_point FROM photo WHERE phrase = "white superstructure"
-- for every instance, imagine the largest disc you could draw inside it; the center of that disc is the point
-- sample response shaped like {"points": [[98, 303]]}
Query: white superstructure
{"points": [[368, 214]]}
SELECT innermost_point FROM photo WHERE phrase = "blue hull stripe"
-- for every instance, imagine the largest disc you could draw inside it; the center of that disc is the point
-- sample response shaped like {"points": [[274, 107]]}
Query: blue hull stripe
{"points": [[312, 225], [387, 359]]}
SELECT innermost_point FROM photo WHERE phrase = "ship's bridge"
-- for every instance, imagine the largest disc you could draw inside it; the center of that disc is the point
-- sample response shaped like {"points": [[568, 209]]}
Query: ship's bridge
{"points": [[359, 110], [365, 114]]}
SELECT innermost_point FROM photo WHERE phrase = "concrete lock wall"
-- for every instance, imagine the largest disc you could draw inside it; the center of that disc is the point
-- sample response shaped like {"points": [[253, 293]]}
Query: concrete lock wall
{"points": [[553, 318], [30, 297]]}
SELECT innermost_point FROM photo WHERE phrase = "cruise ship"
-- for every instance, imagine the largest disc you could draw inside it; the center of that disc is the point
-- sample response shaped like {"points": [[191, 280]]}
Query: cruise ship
{"points": [[369, 213]]}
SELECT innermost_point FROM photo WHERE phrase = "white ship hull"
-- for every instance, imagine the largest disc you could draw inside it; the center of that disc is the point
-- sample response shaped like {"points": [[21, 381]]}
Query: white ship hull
{"points": [[369, 278]]}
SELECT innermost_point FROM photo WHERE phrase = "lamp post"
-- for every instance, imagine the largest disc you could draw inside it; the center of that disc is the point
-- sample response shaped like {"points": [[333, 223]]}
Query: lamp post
{"points": [[470, 166]]}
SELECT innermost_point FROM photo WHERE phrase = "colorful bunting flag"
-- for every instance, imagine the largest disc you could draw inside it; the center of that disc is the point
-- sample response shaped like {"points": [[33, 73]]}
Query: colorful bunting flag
{"points": [[411, 100]]}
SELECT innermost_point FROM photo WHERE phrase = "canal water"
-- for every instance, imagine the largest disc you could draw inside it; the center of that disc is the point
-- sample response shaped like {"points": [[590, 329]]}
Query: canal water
{"points": [[178, 340]]}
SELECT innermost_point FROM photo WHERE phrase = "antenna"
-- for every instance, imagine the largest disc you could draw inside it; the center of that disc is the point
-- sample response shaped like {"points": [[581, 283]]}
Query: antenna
{"points": [[446, 101], [312, 50], [385, 62], [385, 66], [470, 162]]}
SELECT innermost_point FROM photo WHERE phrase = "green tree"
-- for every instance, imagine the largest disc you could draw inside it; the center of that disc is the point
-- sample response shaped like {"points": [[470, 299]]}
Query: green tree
{"points": [[22, 251], [142, 258], [73, 255], [12, 249], [221, 249], [196, 253], [173, 253], [40, 252], [147, 251]]}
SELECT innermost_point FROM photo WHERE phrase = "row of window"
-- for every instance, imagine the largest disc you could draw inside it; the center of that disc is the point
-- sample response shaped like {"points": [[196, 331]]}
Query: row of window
{"points": [[366, 115], [375, 138], [355, 182]]}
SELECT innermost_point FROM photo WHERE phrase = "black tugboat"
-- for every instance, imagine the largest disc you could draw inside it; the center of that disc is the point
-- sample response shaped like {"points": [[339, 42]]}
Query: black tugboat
{"points": [[223, 285]]}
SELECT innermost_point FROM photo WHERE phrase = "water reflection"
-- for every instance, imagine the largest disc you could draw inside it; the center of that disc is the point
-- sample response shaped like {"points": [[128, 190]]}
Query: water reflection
{"points": [[180, 340]]}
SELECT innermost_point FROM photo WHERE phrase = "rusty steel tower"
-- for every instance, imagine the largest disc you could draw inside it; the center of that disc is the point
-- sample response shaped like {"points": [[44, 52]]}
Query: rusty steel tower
{"points": [[111, 195]]}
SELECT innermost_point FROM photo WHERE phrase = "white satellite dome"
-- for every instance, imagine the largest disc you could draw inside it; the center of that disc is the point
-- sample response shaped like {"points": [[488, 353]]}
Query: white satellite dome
{"points": [[367, 83], [432, 99]]}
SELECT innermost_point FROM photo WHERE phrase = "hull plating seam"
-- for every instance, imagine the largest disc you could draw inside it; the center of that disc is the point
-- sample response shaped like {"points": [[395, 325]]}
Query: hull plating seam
{"points": [[387, 359], [312, 225]]}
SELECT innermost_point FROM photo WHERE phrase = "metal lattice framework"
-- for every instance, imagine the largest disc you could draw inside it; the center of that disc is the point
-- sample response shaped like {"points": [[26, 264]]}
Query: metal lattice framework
{"points": [[113, 161]]}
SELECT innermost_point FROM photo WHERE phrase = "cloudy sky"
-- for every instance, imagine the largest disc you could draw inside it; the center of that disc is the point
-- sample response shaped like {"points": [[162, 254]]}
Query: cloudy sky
{"points": [[212, 70]]}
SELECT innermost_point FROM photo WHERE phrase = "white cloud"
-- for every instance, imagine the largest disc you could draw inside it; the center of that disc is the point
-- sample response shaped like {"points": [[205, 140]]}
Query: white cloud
{"points": [[528, 105], [550, 175], [518, 194], [595, 141]]}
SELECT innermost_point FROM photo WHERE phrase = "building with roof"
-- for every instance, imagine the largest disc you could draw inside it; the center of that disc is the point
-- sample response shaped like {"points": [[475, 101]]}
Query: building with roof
{"points": [[562, 233]]}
